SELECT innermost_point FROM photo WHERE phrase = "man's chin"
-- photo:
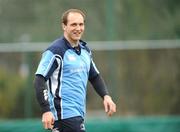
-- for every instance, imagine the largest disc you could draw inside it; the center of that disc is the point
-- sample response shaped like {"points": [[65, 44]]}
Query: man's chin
{"points": [[77, 38]]}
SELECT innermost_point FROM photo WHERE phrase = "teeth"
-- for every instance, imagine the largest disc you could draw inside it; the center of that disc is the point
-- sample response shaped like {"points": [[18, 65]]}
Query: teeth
{"points": [[77, 33]]}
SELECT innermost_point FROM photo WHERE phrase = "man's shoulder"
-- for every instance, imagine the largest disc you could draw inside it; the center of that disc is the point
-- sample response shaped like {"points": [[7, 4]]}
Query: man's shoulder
{"points": [[57, 46], [85, 46], [58, 43]]}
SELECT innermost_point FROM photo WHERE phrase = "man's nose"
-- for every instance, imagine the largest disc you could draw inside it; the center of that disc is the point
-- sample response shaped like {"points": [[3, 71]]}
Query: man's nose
{"points": [[78, 27]]}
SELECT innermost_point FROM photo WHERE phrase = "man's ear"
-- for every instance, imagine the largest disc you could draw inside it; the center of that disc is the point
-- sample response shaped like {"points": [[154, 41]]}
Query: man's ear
{"points": [[63, 26]]}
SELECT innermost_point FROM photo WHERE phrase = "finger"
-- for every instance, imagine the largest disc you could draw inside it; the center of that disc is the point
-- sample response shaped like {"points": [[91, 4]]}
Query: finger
{"points": [[52, 121], [49, 125], [112, 109], [45, 125], [110, 112], [106, 107]]}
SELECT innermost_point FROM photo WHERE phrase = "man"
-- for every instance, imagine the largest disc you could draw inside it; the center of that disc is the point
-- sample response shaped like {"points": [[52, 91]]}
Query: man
{"points": [[62, 76]]}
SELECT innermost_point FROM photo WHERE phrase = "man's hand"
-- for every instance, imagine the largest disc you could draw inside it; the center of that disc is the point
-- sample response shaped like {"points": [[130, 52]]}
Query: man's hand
{"points": [[48, 120], [109, 105]]}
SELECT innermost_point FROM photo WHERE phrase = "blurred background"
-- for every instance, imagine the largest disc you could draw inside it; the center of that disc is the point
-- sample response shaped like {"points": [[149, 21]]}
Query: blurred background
{"points": [[136, 47]]}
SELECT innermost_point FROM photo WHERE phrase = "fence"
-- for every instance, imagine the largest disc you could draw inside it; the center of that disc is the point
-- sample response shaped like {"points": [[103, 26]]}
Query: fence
{"points": [[140, 75]]}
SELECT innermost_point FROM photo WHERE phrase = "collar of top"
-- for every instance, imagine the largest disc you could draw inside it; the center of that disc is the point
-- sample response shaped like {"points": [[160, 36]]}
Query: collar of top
{"points": [[80, 45]]}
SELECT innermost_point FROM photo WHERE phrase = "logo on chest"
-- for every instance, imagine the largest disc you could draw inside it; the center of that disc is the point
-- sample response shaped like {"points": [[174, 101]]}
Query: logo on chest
{"points": [[71, 58]]}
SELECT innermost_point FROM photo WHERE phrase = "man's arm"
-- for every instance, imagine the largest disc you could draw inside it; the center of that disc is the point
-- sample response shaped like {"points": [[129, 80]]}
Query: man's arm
{"points": [[100, 87], [42, 97], [41, 92]]}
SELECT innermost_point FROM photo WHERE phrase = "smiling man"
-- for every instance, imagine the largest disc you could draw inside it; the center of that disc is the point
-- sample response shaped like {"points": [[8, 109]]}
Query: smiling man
{"points": [[62, 75]]}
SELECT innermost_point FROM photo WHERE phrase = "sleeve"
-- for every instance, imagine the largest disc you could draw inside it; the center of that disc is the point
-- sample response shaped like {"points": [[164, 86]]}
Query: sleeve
{"points": [[47, 65], [41, 93], [99, 85], [93, 72], [97, 81], [45, 69]]}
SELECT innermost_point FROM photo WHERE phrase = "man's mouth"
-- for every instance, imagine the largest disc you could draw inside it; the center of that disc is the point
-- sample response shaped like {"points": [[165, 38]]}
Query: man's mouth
{"points": [[77, 34]]}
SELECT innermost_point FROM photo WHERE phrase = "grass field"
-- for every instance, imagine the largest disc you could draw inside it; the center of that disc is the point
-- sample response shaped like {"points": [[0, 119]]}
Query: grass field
{"points": [[130, 124]]}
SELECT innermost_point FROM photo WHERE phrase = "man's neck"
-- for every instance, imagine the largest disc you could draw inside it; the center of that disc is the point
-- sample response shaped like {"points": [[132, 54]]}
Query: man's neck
{"points": [[72, 43]]}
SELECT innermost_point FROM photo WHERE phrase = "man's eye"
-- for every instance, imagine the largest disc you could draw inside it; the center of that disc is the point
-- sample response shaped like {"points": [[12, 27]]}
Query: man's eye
{"points": [[74, 24]]}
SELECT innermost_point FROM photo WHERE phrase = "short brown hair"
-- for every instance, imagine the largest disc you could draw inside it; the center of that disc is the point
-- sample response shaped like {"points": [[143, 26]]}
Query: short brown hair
{"points": [[66, 13]]}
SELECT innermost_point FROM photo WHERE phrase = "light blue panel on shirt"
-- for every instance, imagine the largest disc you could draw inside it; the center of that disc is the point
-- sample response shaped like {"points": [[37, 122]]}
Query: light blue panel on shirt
{"points": [[45, 63]]}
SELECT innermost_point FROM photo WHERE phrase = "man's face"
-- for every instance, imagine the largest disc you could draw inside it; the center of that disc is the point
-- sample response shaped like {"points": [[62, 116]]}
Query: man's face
{"points": [[74, 28]]}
